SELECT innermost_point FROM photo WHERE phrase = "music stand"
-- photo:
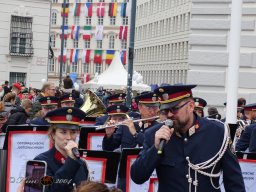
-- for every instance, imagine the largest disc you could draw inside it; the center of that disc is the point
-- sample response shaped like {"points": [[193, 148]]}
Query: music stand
{"points": [[110, 162], [85, 135], [22, 128], [123, 162], [245, 155], [23, 143]]}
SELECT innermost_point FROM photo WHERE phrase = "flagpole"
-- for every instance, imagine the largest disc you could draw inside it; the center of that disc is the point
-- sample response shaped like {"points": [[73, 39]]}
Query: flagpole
{"points": [[234, 60], [131, 54], [62, 41]]}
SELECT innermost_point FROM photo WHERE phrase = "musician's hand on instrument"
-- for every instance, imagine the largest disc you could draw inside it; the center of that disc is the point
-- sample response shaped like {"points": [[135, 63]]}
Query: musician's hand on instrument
{"points": [[163, 133], [129, 123], [110, 131]]}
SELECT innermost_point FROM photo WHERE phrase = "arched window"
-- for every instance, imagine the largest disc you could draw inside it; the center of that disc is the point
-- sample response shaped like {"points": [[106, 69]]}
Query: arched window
{"points": [[54, 18], [111, 42]]}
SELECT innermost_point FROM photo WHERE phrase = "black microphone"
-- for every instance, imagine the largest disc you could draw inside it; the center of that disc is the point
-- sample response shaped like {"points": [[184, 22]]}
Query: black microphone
{"points": [[169, 123], [76, 152]]}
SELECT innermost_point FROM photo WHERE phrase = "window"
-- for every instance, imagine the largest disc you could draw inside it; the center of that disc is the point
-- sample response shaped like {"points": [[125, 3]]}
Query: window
{"points": [[97, 68], [54, 18], [51, 65], [87, 44], [90, 1], [88, 21], [99, 44], [74, 67], [75, 43], [65, 43], [101, 0], [113, 1], [54, 1], [17, 77], [66, 20], [76, 20], [112, 42], [53, 41], [86, 67], [112, 20], [125, 20], [100, 20], [21, 36], [123, 44]]}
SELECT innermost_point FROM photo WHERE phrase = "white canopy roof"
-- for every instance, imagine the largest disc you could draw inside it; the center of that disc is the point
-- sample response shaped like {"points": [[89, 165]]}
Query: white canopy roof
{"points": [[115, 77]]}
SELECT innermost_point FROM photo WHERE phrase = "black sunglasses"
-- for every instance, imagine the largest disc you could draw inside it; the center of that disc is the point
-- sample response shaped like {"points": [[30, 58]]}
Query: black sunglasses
{"points": [[175, 109]]}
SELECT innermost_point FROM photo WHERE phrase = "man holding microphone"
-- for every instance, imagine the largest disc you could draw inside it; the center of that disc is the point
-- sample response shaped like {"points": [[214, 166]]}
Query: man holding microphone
{"points": [[195, 149]]}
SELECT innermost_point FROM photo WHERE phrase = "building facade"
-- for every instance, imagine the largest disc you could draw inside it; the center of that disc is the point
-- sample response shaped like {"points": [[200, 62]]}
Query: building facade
{"points": [[93, 31], [24, 41], [161, 40], [208, 55]]}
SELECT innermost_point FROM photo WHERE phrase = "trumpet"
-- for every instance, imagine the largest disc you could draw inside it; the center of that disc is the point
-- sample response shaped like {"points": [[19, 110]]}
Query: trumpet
{"points": [[100, 127]]}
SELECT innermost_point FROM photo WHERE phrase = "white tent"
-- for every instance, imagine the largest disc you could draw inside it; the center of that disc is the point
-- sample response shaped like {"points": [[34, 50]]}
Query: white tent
{"points": [[115, 77]]}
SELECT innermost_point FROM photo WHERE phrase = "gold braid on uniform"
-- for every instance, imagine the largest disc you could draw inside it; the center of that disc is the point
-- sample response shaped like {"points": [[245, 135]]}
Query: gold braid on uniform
{"points": [[211, 163]]}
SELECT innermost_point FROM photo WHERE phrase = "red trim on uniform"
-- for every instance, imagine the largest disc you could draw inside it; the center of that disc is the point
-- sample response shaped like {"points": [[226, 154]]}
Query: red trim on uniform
{"points": [[249, 108], [148, 99], [63, 118], [115, 111], [46, 103], [67, 99]]}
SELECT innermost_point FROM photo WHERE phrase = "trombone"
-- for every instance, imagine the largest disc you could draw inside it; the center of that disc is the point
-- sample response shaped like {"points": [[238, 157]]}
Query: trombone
{"points": [[100, 127]]}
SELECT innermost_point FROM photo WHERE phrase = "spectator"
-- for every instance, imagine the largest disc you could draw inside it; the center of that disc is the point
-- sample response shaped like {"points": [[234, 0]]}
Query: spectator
{"points": [[48, 89], [16, 88], [213, 113], [19, 115], [6, 87], [1, 92]]}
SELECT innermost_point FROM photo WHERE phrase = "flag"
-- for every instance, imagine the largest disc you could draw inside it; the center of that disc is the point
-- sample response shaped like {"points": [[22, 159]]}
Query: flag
{"points": [[123, 32], [87, 32], [86, 56], [123, 57], [64, 58], [65, 10], [73, 56], [98, 56], [99, 32], [88, 9], [112, 9], [76, 9], [100, 9], [124, 10], [65, 32], [75, 32], [109, 56]]}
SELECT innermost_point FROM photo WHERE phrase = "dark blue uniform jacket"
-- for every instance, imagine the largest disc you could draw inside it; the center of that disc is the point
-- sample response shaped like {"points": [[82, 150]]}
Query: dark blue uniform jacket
{"points": [[244, 141], [123, 137], [39, 121], [252, 145], [72, 170], [172, 167]]}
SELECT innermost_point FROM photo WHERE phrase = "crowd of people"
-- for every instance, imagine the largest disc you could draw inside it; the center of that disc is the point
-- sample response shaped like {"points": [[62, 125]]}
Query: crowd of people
{"points": [[187, 156]]}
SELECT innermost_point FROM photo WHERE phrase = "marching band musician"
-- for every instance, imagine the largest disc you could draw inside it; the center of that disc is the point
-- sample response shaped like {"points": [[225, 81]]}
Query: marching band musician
{"points": [[244, 140], [62, 164], [200, 104], [116, 99], [48, 104], [131, 134], [195, 153], [67, 100]]}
